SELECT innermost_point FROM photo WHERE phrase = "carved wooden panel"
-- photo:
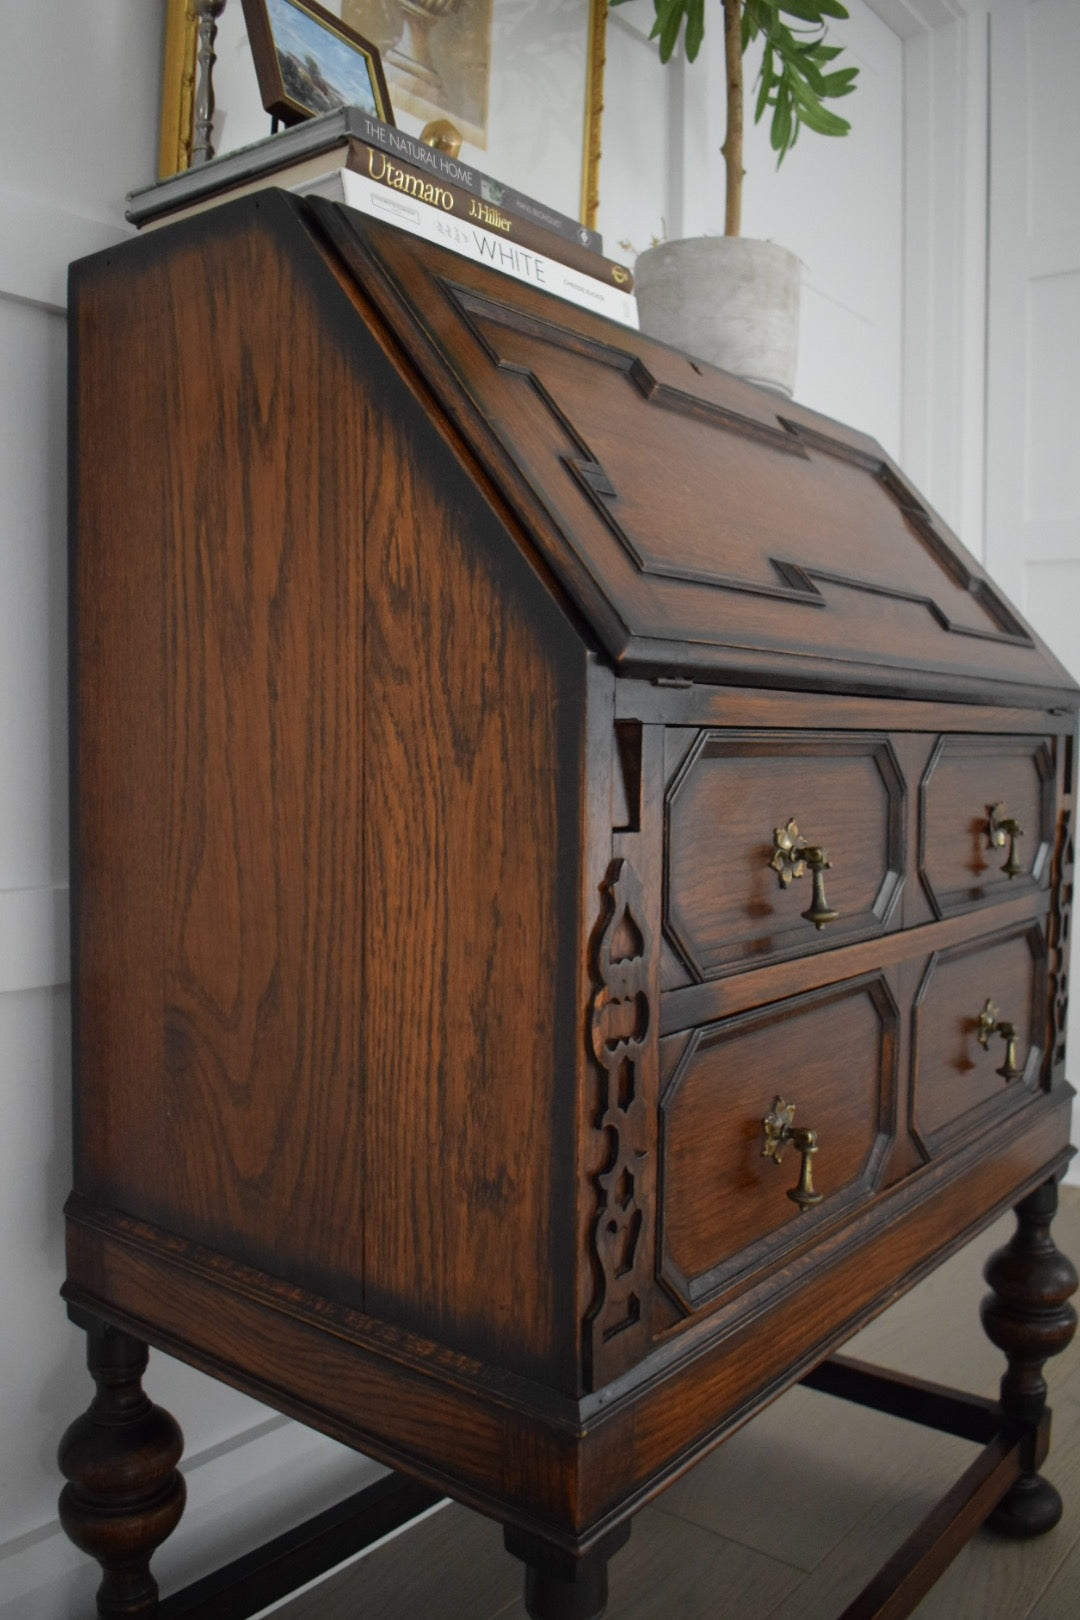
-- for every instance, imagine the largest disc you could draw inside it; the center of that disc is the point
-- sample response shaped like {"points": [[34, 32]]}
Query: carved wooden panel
{"points": [[1060, 926], [695, 520], [724, 904], [966, 777], [724, 1209], [955, 1083], [621, 1027]]}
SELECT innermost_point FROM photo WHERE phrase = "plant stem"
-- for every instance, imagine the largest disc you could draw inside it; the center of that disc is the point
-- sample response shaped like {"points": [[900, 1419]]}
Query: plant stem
{"points": [[733, 139]]}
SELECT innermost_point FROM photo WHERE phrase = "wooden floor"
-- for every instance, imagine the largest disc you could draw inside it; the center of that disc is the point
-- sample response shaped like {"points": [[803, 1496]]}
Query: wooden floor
{"points": [[790, 1517]]}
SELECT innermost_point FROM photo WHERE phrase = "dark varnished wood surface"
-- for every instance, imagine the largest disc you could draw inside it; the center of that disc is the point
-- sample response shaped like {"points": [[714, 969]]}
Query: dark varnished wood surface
{"points": [[220, 695], [431, 979], [475, 689], [573, 1470], [725, 906], [722, 1199], [965, 778], [952, 1074], [331, 769], [642, 468]]}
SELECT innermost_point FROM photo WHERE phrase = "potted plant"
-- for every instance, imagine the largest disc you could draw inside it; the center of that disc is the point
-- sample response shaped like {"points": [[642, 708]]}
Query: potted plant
{"points": [[748, 320]]}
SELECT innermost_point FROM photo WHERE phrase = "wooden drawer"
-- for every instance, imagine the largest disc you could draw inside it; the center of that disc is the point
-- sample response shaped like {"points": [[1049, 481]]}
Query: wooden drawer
{"points": [[967, 776], [956, 1085], [724, 906], [724, 1208]]}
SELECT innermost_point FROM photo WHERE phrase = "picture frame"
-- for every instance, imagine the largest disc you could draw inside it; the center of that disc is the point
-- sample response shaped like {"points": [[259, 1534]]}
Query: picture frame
{"points": [[519, 152], [308, 61]]}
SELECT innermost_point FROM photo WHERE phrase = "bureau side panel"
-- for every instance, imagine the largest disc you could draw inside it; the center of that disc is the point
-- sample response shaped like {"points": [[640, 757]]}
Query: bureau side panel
{"points": [[475, 694], [218, 574]]}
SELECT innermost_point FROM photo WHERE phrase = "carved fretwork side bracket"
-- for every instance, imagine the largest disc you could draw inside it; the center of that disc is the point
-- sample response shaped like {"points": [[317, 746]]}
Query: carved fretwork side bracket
{"points": [[621, 1031], [1061, 914]]}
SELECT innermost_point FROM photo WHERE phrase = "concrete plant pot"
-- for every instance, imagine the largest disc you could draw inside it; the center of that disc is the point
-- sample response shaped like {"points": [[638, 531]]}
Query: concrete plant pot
{"points": [[726, 299]]}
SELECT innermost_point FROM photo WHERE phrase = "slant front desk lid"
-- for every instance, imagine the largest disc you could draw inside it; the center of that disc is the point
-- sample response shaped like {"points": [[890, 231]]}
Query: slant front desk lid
{"points": [[702, 526]]}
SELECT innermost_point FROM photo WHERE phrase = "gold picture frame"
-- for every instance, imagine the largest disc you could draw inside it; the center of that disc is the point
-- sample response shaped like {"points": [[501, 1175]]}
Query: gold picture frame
{"points": [[178, 98]]}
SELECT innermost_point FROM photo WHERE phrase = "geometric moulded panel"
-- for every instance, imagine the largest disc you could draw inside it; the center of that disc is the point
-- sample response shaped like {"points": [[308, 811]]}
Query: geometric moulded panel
{"points": [[724, 1209], [724, 906]]}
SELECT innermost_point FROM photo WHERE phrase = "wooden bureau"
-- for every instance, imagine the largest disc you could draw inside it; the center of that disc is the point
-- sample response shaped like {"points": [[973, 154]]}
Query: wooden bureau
{"points": [[572, 875]]}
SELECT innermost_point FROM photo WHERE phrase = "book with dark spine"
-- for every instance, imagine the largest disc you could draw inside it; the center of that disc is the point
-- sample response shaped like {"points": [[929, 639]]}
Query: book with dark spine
{"points": [[441, 194], [356, 190], [323, 141], [428, 158]]}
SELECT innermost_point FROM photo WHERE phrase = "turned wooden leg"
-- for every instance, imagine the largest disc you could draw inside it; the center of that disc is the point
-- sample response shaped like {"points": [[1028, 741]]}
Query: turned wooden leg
{"points": [[558, 1585], [124, 1494], [1028, 1316]]}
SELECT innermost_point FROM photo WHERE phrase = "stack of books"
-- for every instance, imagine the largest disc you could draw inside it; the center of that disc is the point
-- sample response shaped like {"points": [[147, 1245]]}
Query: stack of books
{"points": [[353, 158]]}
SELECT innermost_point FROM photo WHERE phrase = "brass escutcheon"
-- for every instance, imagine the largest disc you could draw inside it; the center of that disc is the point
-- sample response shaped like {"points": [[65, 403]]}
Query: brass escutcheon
{"points": [[999, 826], [777, 1132], [792, 855], [989, 1024]]}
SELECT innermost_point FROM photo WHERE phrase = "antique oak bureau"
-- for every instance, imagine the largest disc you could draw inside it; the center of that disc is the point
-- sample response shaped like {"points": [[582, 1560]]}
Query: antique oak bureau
{"points": [[572, 869]]}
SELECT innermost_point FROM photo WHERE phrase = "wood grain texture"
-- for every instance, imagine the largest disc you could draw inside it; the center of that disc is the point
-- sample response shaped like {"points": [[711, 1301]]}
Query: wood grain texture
{"points": [[965, 778], [432, 982], [570, 1471], [725, 905], [953, 1078], [724, 1205], [638, 470], [220, 682], [472, 785]]}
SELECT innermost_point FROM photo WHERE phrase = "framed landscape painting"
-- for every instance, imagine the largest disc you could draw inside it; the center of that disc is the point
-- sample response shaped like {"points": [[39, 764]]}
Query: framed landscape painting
{"points": [[309, 61]]}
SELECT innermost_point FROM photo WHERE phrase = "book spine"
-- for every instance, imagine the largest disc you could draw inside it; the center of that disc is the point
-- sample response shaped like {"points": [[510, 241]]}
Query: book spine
{"points": [[431, 161], [440, 194], [471, 242]]}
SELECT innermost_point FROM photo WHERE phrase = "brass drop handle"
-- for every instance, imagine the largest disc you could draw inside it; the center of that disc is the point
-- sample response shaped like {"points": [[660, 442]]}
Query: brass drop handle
{"points": [[990, 1024], [999, 826], [791, 856], [778, 1131]]}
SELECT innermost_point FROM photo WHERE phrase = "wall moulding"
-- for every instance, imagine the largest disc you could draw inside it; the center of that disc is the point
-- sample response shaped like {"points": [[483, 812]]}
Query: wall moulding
{"points": [[34, 938]]}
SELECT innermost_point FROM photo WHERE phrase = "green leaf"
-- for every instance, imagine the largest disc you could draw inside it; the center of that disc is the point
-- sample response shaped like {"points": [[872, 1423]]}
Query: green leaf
{"points": [[766, 80], [817, 118], [814, 79], [695, 28], [670, 21], [814, 11], [841, 83], [780, 134]]}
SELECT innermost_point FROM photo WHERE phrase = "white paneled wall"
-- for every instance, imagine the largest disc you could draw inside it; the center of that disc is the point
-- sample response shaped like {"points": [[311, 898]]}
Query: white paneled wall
{"points": [[1033, 332], [896, 236], [78, 129]]}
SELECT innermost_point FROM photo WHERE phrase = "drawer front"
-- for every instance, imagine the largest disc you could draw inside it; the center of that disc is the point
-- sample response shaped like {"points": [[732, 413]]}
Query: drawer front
{"points": [[957, 1083], [725, 907], [959, 866], [724, 1208]]}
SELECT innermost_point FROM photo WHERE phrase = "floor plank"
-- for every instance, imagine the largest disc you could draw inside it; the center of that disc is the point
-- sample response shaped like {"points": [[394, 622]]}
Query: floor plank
{"points": [[764, 1488], [700, 1575], [451, 1565]]}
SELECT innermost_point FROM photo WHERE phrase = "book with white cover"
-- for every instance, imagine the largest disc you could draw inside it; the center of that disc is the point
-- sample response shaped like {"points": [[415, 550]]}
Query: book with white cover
{"points": [[472, 242]]}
